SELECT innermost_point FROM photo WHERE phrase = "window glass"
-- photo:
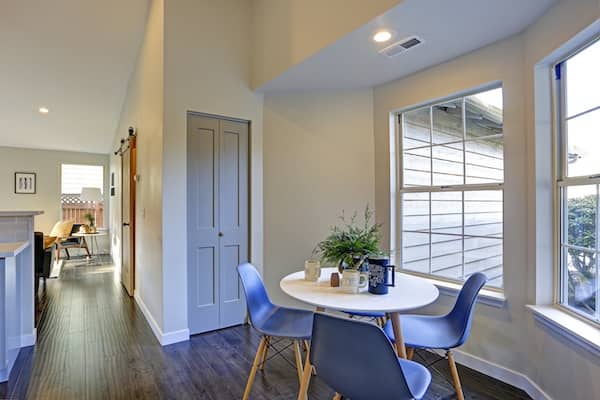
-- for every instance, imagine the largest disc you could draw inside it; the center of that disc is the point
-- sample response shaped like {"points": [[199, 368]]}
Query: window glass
{"points": [[452, 200], [74, 178]]}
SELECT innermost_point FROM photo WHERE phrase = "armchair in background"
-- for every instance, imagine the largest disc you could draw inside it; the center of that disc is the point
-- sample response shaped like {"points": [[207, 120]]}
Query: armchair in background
{"points": [[42, 252]]}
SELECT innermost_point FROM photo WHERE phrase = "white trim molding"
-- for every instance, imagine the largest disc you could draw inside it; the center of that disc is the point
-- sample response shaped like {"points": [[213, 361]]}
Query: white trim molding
{"points": [[164, 339], [571, 328], [488, 297], [29, 339]]}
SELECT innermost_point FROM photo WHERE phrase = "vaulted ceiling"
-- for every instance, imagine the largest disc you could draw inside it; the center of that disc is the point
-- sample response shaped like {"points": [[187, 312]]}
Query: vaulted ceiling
{"points": [[449, 29], [73, 57]]}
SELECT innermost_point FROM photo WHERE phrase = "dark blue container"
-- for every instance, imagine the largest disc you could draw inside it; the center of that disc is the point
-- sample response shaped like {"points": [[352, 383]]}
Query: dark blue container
{"points": [[379, 275]]}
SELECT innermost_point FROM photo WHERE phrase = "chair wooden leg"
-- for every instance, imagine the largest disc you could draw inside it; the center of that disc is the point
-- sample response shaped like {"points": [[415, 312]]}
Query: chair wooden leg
{"points": [[264, 357], [410, 352], [298, 360], [400, 348], [455, 378], [257, 360], [305, 381]]}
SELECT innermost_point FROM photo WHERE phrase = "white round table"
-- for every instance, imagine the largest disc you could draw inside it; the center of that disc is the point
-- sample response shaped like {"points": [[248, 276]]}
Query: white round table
{"points": [[93, 241], [410, 293]]}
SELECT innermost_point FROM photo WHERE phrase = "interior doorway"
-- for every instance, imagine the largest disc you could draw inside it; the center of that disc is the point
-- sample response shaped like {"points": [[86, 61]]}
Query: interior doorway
{"points": [[217, 194]]}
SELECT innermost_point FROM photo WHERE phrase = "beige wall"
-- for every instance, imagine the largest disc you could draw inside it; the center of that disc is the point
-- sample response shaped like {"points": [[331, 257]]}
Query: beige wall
{"points": [[46, 164], [207, 69], [286, 32], [507, 337], [562, 369], [143, 109], [318, 159]]}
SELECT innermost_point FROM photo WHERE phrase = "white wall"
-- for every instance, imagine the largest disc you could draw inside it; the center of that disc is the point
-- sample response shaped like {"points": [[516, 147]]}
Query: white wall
{"points": [[207, 69], [507, 337], [286, 32], [318, 161], [143, 109], [46, 164]]}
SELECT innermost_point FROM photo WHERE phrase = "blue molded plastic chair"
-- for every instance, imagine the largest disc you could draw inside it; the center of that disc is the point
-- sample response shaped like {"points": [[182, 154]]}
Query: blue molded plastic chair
{"points": [[357, 360], [271, 321], [444, 331]]}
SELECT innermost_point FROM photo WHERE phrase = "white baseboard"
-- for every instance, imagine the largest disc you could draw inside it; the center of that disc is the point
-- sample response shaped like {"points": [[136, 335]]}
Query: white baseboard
{"points": [[29, 339], [501, 373], [181, 335], [163, 338]]}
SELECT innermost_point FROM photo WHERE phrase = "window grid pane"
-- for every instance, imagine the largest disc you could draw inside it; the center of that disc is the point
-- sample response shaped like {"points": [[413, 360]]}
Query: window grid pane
{"points": [[452, 206], [74, 177], [577, 182]]}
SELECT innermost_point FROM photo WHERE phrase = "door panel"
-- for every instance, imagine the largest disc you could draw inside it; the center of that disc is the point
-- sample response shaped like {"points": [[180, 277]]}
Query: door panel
{"points": [[217, 160], [203, 142], [125, 222], [230, 259], [204, 268], [233, 218], [203, 209]]}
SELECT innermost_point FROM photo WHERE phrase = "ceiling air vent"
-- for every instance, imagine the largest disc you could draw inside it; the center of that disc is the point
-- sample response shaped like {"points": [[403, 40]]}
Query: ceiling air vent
{"points": [[401, 46]]}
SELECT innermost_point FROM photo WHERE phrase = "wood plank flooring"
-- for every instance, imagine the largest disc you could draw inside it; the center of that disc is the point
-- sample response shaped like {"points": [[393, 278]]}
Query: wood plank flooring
{"points": [[94, 343]]}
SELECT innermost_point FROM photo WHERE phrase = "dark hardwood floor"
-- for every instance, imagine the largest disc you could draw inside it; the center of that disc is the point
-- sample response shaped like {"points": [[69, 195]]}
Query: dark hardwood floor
{"points": [[94, 343]]}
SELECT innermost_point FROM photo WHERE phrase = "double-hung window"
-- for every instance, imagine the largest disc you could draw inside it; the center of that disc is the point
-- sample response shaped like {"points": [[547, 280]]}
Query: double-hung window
{"points": [[578, 180], [74, 178], [448, 182]]}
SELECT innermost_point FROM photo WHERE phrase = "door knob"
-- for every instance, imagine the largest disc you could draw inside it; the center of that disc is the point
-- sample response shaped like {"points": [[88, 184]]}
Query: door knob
{"points": [[220, 234]]}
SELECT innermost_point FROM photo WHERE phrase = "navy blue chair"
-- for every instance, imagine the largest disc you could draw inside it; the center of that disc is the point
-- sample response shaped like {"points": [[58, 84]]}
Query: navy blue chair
{"points": [[443, 332], [272, 321], [357, 360], [379, 318]]}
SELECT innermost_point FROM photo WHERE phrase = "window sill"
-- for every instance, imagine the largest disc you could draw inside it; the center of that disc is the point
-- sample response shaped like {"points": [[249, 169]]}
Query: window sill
{"points": [[486, 296], [569, 327]]}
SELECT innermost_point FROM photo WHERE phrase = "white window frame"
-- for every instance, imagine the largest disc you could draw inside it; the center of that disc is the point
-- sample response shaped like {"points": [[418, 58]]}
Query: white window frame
{"points": [[561, 183], [397, 189]]}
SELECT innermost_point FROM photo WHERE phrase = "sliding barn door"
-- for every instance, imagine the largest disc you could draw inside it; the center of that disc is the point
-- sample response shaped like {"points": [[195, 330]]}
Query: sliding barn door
{"points": [[217, 221], [128, 171]]}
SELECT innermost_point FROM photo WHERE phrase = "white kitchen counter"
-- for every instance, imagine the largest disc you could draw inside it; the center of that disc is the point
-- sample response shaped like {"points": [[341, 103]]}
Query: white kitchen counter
{"points": [[12, 249], [17, 327]]}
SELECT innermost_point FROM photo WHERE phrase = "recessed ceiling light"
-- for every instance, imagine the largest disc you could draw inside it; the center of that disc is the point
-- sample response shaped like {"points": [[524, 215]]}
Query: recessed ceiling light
{"points": [[43, 110], [382, 36]]}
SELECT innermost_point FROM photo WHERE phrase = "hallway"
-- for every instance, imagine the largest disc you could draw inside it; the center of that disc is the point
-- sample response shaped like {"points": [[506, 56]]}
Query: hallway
{"points": [[94, 343]]}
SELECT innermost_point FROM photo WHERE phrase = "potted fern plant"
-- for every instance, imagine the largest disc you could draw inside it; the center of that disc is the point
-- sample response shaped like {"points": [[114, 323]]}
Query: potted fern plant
{"points": [[351, 243]]}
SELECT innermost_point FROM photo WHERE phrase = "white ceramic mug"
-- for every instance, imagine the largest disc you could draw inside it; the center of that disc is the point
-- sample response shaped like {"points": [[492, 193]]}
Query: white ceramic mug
{"points": [[312, 270], [353, 280]]}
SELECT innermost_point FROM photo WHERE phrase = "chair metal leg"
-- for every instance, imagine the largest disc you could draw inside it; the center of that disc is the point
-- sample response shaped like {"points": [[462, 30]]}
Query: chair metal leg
{"points": [[85, 246], [305, 381], [455, 378], [264, 357], [68, 255], [257, 360], [298, 360]]}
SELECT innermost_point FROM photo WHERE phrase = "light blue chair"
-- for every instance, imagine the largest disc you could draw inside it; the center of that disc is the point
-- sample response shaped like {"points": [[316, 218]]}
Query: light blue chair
{"points": [[357, 360], [443, 332], [272, 321]]}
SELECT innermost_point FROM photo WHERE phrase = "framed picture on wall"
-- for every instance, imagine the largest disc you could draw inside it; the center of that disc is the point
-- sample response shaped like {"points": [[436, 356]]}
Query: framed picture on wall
{"points": [[25, 182]]}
